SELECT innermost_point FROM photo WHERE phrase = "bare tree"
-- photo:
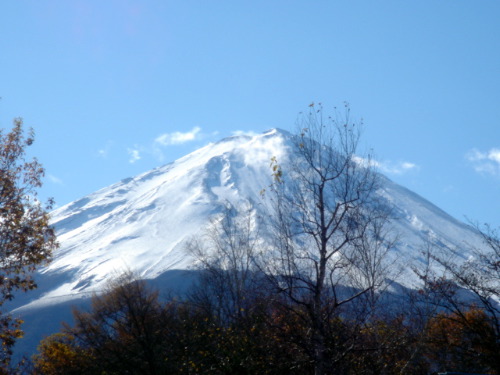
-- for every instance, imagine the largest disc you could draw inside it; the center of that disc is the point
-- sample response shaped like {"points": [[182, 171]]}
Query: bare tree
{"points": [[228, 285], [328, 229]]}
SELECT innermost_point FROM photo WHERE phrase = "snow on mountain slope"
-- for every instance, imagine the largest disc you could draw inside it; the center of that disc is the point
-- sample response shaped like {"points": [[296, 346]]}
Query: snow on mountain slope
{"points": [[142, 223]]}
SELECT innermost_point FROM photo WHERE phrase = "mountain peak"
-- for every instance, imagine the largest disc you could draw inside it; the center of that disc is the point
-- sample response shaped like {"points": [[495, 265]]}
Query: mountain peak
{"points": [[142, 223]]}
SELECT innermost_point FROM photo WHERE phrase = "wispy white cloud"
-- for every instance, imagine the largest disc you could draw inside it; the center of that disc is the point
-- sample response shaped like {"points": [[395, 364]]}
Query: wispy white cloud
{"points": [[394, 168], [175, 138], [398, 168], [485, 162], [178, 138], [134, 155], [243, 132], [54, 179]]}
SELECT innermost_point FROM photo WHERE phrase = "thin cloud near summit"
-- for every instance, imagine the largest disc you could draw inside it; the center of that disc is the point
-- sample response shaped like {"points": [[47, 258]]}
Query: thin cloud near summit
{"points": [[485, 162], [388, 167], [178, 138], [134, 155]]}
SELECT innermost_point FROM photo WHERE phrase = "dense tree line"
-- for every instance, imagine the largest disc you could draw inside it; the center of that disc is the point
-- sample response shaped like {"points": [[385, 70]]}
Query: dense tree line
{"points": [[129, 330]]}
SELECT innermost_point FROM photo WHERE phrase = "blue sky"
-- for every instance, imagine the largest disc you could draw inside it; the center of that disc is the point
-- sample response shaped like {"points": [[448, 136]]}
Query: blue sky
{"points": [[114, 88]]}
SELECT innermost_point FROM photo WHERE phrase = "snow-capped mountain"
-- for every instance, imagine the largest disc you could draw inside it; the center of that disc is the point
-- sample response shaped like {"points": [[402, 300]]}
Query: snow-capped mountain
{"points": [[141, 224]]}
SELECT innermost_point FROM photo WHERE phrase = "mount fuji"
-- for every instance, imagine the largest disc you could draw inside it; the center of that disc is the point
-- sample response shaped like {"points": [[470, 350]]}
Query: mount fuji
{"points": [[141, 224]]}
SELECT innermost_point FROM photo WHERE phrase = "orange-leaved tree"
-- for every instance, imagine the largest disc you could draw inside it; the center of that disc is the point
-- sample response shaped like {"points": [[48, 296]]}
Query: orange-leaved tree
{"points": [[463, 341]]}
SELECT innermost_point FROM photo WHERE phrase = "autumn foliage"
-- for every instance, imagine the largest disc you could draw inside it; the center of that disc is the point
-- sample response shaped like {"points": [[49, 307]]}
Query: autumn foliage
{"points": [[129, 330], [26, 238], [463, 341]]}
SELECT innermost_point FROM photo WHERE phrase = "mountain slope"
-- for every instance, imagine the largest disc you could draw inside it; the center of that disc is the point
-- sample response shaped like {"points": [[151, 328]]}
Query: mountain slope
{"points": [[142, 223]]}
